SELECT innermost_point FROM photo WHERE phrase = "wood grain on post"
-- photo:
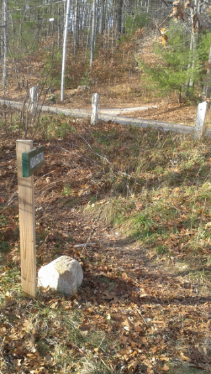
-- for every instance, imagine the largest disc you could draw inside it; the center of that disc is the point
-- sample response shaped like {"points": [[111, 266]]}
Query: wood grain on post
{"points": [[200, 120], [26, 222], [94, 117]]}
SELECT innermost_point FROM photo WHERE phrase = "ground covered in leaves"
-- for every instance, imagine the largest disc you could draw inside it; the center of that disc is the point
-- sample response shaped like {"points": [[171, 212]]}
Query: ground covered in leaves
{"points": [[119, 95], [169, 112], [133, 206]]}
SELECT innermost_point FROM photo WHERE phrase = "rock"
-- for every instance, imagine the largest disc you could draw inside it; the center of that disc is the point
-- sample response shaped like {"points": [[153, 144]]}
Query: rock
{"points": [[83, 88], [63, 274], [78, 90]]}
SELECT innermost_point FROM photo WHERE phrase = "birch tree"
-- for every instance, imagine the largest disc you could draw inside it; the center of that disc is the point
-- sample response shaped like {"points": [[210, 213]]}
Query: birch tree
{"points": [[64, 50]]}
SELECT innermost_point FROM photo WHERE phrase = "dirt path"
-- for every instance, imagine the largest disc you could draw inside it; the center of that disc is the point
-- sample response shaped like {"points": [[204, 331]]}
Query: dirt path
{"points": [[111, 115], [120, 276]]}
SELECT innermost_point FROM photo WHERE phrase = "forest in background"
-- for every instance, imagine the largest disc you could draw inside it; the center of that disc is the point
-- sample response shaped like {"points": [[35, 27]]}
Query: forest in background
{"points": [[106, 43]]}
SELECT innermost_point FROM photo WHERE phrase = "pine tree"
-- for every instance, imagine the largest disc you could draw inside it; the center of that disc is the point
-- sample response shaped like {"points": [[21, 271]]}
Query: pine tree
{"points": [[173, 70]]}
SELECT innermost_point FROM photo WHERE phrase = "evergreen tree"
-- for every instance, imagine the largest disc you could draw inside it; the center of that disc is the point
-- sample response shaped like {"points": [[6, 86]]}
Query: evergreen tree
{"points": [[172, 70]]}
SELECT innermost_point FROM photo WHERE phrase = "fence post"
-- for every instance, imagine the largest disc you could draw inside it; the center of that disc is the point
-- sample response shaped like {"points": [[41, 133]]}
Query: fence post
{"points": [[33, 92], [200, 120], [94, 117], [26, 222]]}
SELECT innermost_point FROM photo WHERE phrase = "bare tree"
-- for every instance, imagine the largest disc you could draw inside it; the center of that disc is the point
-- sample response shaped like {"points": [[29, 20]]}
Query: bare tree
{"points": [[207, 85], [194, 38], [103, 14], [76, 26], [119, 9], [5, 40], [93, 32]]}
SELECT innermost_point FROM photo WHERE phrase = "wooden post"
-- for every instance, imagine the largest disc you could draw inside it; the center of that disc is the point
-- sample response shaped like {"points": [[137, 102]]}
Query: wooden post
{"points": [[26, 222], [33, 99], [200, 120], [94, 117]]}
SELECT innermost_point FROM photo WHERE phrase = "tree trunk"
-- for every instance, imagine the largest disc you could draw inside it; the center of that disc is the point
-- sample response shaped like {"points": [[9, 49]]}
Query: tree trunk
{"points": [[119, 7], [193, 42], [102, 19], [89, 21], [58, 28], [207, 86], [5, 41], [76, 27], [64, 50], [1, 35], [93, 35]]}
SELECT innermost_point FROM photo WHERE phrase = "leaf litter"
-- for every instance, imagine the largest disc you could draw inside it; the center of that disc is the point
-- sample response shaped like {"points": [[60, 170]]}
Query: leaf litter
{"points": [[142, 217]]}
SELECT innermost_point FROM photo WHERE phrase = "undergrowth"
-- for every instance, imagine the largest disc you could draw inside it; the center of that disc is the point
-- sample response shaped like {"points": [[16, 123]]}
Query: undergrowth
{"points": [[158, 189]]}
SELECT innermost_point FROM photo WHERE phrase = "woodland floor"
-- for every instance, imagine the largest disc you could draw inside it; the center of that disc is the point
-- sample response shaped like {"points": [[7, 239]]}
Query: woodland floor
{"points": [[133, 207], [119, 95]]}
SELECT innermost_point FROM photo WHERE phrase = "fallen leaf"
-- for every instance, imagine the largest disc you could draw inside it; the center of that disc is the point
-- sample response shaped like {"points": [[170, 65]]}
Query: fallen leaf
{"points": [[124, 339], [132, 367], [185, 357], [165, 368]]}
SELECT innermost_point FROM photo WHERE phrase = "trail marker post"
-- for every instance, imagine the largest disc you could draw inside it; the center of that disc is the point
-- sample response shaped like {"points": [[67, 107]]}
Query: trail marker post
{"points": [[28, 161]]}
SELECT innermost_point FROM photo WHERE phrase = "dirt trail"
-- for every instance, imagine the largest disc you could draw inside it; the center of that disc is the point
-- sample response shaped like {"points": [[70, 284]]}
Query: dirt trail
{"points": [[111, 115]]}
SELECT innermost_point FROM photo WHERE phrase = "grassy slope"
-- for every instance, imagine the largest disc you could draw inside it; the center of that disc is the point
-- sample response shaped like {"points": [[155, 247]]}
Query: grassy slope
{"points": [[154, 189]]}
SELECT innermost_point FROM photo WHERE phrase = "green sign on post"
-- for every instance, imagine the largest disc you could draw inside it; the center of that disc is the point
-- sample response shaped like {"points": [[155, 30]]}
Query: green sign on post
{"points": [[32, 160]]}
